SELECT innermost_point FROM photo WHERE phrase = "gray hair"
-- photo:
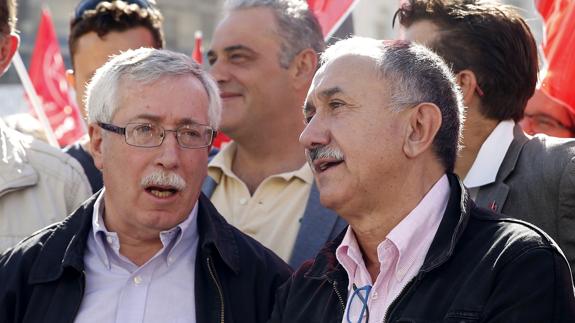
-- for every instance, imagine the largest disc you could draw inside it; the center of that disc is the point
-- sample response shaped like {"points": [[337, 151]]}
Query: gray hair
{"points": [[144, 66], [414, 75], [297, 25]]}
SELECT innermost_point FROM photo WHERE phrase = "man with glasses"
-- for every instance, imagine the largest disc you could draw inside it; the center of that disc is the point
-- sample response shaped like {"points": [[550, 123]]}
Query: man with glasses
{"points": [[149, 247], [98, 30], [492, 51], [417, 249]]}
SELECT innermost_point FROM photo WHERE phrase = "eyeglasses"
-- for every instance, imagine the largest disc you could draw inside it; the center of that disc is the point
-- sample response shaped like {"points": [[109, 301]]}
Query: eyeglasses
{"points": [[362, 295], [92, 4], [150, 135]]}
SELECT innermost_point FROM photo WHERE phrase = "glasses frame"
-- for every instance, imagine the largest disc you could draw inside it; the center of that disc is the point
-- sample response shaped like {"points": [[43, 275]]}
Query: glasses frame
{"points": [[122, 131], [362, 299]]}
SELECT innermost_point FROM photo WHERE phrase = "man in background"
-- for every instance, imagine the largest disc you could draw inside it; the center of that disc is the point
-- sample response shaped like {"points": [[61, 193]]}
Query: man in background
{"points": [[260, 182], [98, 30], [494, 56], [39, 185]]}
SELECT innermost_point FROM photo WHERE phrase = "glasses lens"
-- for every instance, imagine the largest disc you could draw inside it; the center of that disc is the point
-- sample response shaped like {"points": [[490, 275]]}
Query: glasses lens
{"points": [[194, 136], [92, 4], [143, 135]]}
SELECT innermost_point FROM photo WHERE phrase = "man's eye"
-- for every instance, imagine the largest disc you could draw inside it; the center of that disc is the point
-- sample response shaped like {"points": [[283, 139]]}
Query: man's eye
{"points": [[144, 129], [335, 104], [237, 58], [190, 133]]}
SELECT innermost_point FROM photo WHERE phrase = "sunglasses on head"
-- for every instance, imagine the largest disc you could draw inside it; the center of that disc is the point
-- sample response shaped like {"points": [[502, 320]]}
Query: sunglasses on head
{"points": [[92, 4]]}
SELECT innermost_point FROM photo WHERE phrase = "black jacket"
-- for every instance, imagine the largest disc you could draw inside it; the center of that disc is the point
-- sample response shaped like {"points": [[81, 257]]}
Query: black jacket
{"points": [[480, 267], [42, 278]]}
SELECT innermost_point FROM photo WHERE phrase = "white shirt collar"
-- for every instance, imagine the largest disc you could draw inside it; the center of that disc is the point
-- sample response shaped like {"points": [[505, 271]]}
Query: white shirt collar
{"points": [[490, 157]]}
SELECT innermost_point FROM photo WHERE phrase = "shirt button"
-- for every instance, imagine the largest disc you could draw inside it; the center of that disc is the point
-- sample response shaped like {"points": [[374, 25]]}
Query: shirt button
{"points": [[138, 280], [243, 201], [374, 295], [170, 260], [110, 240]]}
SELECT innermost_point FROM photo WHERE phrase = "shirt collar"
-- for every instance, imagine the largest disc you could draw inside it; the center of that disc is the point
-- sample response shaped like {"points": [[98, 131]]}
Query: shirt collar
{"points": [[107, 242], [411, 238], [490, 157], [221, 165]]}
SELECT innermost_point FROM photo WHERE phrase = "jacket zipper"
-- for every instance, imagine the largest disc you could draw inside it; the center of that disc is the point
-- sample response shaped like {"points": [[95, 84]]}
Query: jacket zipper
{"points": [[213, 275], [334, 285], [397, 299]]}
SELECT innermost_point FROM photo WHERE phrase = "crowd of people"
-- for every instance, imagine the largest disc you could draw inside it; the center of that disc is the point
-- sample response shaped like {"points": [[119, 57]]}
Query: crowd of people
{"points": [[406, 191]]}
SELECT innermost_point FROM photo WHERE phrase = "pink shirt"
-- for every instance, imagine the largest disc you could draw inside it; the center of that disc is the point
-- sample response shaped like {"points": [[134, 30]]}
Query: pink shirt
{"points": [[401, 255]]}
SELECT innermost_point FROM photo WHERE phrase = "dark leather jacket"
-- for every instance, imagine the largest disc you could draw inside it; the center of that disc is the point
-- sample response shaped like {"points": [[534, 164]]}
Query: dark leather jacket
{"points": [[480, 267], [42, 278]]}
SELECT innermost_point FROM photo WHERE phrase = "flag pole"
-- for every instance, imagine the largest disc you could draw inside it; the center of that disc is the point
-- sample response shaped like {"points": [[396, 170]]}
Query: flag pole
{"points": [[34, 99]]}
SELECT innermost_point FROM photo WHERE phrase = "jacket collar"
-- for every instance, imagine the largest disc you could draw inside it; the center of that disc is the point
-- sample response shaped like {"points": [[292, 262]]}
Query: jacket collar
{"points": [[66, 243], [494, 195], [450, 230], [216, 235]]}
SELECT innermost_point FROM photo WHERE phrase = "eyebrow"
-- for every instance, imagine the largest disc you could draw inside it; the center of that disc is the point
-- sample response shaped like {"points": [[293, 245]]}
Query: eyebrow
{"points": [[327, 93], [157, 119], [232, 48]]}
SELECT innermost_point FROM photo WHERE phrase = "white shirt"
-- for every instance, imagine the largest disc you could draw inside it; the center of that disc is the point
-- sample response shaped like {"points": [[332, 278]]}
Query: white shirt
{"points": [[486, 165], [161, 290]]}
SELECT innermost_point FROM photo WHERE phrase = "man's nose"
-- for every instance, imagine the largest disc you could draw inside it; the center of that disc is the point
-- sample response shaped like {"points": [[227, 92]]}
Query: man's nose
{"points": [[170, 149], [316, 133]]}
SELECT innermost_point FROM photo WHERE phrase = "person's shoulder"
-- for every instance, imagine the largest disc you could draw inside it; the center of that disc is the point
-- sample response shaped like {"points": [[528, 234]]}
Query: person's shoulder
{"points": [[22, 256], [550, 148], [48, 160], [510, 232]]}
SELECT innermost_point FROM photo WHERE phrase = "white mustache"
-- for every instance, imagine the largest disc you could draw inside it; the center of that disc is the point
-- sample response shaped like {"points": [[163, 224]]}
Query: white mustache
{"points": [[324, 152], [163, 178]]}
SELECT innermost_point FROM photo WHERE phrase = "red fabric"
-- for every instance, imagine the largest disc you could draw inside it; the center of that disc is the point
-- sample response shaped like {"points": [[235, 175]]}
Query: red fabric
{"points": [[48, 76], [559, 49], [197, 53], [220, 139], [331, 13]]}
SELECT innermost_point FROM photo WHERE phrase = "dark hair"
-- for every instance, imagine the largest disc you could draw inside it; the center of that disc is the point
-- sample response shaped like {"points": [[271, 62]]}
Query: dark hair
{"points": [[115, 16], [7, 16], [488, 38]]}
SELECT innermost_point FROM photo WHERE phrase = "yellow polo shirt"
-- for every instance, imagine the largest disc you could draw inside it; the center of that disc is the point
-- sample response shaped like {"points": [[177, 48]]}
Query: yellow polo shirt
{"points": [[272, 215]]}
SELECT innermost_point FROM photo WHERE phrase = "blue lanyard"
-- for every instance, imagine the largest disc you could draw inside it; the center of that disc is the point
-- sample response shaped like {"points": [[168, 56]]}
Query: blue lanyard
{"points": [[363, 299]]}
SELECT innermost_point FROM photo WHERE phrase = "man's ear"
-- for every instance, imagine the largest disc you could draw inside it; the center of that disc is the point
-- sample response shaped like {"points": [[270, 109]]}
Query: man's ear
{"points": [[468, 84], [96, 144], [71, 78], [424, 121], [8, 47], [303, 68]]}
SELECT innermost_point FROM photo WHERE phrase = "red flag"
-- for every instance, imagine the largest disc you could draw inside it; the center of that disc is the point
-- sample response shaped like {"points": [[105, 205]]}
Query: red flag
{"points": [[331, 13], [197, 54], [559, 49], [49, 79]]}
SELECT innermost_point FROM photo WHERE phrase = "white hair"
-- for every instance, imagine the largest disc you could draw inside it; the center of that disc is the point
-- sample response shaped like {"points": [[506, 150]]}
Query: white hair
{"points": [[413, 75], [144, 66]]}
